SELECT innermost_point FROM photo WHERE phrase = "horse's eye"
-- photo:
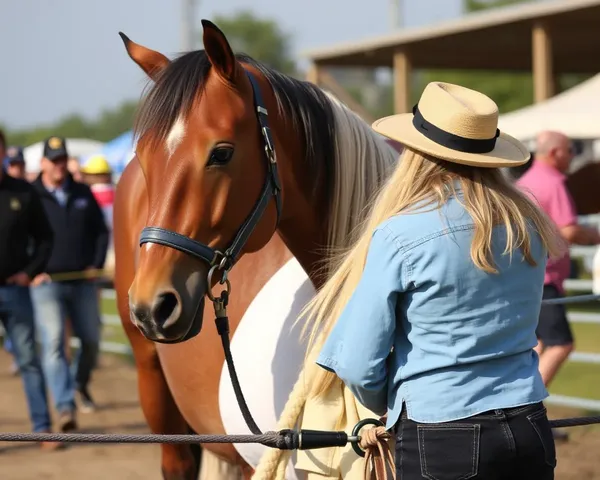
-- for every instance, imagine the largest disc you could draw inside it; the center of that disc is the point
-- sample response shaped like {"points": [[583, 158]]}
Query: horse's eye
{"points": [[220, 156]]}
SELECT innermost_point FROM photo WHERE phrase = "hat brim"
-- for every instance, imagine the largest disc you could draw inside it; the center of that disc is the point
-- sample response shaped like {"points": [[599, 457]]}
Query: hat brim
{"points": [[53, 156], [508, 151]]}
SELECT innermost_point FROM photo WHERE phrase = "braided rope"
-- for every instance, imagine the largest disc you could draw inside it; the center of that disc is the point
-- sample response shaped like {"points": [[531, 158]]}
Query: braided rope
{"points": [[273, 462]]}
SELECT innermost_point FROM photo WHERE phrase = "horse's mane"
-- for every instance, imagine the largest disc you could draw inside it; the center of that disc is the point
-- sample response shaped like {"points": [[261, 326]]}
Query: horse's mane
{"points": [[344, 153]]}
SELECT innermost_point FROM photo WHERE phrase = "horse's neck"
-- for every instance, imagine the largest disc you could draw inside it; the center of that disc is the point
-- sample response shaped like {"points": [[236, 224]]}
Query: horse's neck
{"points": [[303, 227]]}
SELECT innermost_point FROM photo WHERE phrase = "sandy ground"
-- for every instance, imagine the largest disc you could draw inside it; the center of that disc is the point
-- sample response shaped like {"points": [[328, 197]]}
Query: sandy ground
{"points": [[114, 386], [115, 390]]}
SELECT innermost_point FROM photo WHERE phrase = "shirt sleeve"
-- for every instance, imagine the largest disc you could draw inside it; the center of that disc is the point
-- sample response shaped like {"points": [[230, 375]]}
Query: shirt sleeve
{"points": [[359, 344], [561, 207]]}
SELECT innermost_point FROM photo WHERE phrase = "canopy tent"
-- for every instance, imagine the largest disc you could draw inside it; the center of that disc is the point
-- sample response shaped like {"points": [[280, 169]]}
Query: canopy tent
{"points": [[573, 112], [119, 151], [77, 147]]}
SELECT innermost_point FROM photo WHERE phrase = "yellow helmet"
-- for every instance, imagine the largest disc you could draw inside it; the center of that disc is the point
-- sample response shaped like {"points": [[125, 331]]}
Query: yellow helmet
{"points": [[96, 165]]}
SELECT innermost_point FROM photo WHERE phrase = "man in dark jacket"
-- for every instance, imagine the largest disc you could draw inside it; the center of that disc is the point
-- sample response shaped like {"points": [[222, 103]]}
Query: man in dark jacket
{"points": [[25, 246], [68, 286]]}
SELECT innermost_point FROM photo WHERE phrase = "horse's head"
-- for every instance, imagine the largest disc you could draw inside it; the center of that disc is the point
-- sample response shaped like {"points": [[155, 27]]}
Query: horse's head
{"points": [[207, 156]]}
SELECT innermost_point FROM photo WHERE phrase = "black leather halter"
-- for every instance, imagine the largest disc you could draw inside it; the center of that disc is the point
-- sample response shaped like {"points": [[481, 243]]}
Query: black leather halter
{"points": [[271, 188]]}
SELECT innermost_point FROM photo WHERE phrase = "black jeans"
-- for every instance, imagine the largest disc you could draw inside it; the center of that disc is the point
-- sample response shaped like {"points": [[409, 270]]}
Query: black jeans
{"points": [[512, 444]]}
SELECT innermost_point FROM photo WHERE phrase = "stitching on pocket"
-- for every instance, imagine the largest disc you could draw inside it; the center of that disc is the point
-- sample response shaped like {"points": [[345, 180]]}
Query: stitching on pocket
{"points": [[548, 458], [476, 431]]}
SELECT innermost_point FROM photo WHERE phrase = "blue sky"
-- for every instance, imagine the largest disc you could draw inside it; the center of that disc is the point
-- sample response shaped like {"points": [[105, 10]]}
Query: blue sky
{"points": [[65, 56]]}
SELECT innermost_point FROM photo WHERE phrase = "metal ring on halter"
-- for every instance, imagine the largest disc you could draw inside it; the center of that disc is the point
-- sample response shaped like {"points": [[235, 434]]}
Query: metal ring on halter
{"points": [[223, 280], [358, 427]]}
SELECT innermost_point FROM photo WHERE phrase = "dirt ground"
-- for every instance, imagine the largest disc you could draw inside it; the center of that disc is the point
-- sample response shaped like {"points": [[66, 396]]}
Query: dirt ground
{"points": [[114, 386], [115, 389]]}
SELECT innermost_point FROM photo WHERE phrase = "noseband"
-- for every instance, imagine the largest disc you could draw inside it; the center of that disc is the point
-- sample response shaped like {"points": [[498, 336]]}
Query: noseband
{"points": [[216, 259]]}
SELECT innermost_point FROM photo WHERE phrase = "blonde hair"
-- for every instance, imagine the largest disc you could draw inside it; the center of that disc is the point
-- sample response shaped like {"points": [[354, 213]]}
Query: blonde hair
{"points": [[419, 179]]}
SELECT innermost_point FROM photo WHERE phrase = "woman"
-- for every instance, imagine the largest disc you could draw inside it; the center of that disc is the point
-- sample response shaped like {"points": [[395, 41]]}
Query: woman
{"points": [[430, 317]]}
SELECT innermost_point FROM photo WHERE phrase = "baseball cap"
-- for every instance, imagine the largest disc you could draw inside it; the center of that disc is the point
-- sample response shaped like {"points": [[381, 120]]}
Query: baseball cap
{"points": [[15, 154], [55, 147]]}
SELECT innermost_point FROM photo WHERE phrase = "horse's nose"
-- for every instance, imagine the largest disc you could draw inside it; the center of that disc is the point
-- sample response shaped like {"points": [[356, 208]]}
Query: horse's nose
{"points": [[164, 311]]}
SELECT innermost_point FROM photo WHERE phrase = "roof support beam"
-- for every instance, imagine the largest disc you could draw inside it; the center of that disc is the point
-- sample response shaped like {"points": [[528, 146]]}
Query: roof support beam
{"points": [[402, 76], [312, 75], [543, 71]]}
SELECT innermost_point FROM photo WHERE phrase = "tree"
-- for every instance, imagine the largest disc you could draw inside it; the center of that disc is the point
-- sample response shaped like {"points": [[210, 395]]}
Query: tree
{"points": [[260, 38], [110, 124], [475, 5]]}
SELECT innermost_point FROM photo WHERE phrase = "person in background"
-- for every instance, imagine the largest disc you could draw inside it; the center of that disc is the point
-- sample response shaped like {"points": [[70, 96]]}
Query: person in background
{"points": [[15, 162], [545, 181], [23, 224], [96, 173], [74, 168], [81, 239]]}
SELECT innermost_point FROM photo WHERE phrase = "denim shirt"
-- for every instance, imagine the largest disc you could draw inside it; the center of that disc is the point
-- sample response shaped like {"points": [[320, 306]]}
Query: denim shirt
{"points": [[426, 328]]}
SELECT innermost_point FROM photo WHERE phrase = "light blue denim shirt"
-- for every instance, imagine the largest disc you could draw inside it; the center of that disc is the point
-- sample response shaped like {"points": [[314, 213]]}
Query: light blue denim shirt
{"points": [[426, 327]]}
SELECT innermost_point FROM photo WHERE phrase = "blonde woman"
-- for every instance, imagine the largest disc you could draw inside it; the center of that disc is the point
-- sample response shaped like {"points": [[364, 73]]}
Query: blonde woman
{"points": [[430, 317]]}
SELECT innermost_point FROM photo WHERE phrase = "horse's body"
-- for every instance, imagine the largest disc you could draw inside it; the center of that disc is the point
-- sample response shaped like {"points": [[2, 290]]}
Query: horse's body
{"points": [[329, 164]]}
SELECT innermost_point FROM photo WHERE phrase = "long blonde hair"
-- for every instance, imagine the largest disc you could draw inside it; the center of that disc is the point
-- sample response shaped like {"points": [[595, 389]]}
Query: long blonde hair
{"points": [[419, 179]]}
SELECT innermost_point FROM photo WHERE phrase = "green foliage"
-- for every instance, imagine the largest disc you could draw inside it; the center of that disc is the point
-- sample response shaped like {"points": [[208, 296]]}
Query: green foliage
{"points": [[261, 38], [109, 125], [476, 5]]}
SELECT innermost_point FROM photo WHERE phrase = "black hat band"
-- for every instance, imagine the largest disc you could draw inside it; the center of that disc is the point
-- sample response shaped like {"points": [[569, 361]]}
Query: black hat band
{"points": [[449, 140]]}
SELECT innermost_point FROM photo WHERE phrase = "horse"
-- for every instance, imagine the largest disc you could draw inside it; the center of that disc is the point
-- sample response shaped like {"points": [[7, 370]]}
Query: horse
{"points": [[243, 176]]}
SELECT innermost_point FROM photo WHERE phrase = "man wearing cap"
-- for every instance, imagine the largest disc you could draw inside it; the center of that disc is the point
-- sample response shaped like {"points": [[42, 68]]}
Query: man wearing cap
{"points": [[68, 288], [25, 245], [15, 162]]}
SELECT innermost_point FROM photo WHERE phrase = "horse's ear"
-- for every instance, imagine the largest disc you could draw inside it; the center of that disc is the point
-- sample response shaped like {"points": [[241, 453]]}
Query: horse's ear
{"points": [[150, 61], [218, 51]]}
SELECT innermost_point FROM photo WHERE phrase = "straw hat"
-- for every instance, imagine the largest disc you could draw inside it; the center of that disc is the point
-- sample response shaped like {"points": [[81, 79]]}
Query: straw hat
{"points": [[457, 124]]}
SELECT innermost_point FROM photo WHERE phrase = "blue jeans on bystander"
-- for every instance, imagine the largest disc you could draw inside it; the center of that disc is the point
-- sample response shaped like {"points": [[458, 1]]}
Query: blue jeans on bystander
{"points": [[16, 314], [52, 303]]}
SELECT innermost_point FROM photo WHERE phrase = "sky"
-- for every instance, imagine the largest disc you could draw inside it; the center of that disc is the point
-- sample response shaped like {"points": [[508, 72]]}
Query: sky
{"points": [[65, 56]]}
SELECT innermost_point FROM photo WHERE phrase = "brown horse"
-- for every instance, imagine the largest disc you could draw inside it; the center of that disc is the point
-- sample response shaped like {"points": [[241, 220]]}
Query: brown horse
{"points": [[239, 165]]}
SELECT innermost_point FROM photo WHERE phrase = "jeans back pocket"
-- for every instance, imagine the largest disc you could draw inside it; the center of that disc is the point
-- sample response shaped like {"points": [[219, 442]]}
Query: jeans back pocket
{"points": [[449, 451], [539, 422]]}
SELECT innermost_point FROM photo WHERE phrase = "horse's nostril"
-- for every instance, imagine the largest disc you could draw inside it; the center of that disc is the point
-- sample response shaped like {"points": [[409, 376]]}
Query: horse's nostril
{"points": [[141, 312], [164, 309]]}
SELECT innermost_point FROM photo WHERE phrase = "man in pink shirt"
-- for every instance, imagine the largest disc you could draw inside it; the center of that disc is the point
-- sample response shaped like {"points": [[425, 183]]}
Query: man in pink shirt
{"points": [[545, 182]]}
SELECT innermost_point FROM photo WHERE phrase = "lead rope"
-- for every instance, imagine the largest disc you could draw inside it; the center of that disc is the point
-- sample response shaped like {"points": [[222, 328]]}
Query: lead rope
{"points": [[379, 459], [222, 323]]}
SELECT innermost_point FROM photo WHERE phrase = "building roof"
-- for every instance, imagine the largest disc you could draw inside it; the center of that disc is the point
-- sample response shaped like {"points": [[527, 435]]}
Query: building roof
{"points": [[498, 39]]}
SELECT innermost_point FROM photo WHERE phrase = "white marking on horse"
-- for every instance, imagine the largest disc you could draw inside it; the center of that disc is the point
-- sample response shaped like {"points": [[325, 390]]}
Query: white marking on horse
{"points": [[175, 136]]}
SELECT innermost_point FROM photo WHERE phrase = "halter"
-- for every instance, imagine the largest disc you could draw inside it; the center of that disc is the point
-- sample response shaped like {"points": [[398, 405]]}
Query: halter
{"points": [[216, 259]]}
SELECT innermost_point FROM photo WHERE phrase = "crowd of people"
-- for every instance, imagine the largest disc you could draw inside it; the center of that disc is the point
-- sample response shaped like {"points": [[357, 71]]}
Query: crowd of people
{"points": [[54, 238]]}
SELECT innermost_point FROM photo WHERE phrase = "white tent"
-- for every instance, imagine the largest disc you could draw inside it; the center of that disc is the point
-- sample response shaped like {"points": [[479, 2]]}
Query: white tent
{"points": [[573, 112], [77, 147]]}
